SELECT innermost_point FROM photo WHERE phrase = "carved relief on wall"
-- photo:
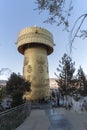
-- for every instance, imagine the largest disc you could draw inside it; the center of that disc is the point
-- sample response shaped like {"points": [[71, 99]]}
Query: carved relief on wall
{"points": [[47, 82], [26, 60], [32, 35], [40, 60], [40, 69], [29, 69], [34, 78], [43, 81]]}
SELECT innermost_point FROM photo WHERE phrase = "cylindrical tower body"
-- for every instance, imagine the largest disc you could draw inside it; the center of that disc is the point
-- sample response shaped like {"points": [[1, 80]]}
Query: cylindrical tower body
{"points": [[36, 43]]}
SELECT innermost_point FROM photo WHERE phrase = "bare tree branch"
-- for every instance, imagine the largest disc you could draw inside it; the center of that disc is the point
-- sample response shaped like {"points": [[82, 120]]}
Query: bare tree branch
{"points": [[58, 11], [73, 36]]}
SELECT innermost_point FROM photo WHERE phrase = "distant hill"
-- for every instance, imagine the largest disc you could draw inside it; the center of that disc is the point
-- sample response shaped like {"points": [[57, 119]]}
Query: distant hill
{"points": [[53, 83], [2, 82]]}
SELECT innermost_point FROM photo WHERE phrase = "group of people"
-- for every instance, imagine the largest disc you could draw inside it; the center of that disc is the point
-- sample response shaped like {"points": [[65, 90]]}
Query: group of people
{"points": [[69, 102]]}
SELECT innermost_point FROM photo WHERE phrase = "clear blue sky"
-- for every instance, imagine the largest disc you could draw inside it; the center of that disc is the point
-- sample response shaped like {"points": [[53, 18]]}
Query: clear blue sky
{"points": [[18, 14]]}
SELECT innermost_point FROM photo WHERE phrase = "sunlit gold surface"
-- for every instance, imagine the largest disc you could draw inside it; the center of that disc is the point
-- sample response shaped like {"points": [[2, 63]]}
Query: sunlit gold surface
{"points": [[36, 43]]}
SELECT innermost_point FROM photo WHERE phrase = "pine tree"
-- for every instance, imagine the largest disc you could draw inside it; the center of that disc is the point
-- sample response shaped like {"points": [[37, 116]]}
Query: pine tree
{"points": [[81, 80], [16, 87], [66, 70]]}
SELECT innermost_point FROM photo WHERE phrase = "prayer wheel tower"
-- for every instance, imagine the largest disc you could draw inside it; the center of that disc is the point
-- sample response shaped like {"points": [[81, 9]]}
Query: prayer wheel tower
{"points": [[35, 44]]}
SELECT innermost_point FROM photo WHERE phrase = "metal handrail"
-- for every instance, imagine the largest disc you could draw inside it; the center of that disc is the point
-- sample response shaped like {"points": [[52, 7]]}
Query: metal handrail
{"points": [[10, 110], [12, 118]]}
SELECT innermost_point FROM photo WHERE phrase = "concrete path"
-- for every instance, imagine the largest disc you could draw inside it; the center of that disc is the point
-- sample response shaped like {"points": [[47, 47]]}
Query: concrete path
{"points": [[78, 120], [55, 119], [38, 120], [58, 121]]}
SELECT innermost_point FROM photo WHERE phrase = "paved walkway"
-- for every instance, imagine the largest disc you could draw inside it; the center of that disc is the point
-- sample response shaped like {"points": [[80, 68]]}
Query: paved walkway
{"points": [[38, 120], [42, 120], [78, 120]]}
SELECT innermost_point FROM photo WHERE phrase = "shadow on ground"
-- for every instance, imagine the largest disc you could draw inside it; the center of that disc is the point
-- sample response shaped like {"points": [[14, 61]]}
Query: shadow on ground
{"points": [[57, 121]]}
